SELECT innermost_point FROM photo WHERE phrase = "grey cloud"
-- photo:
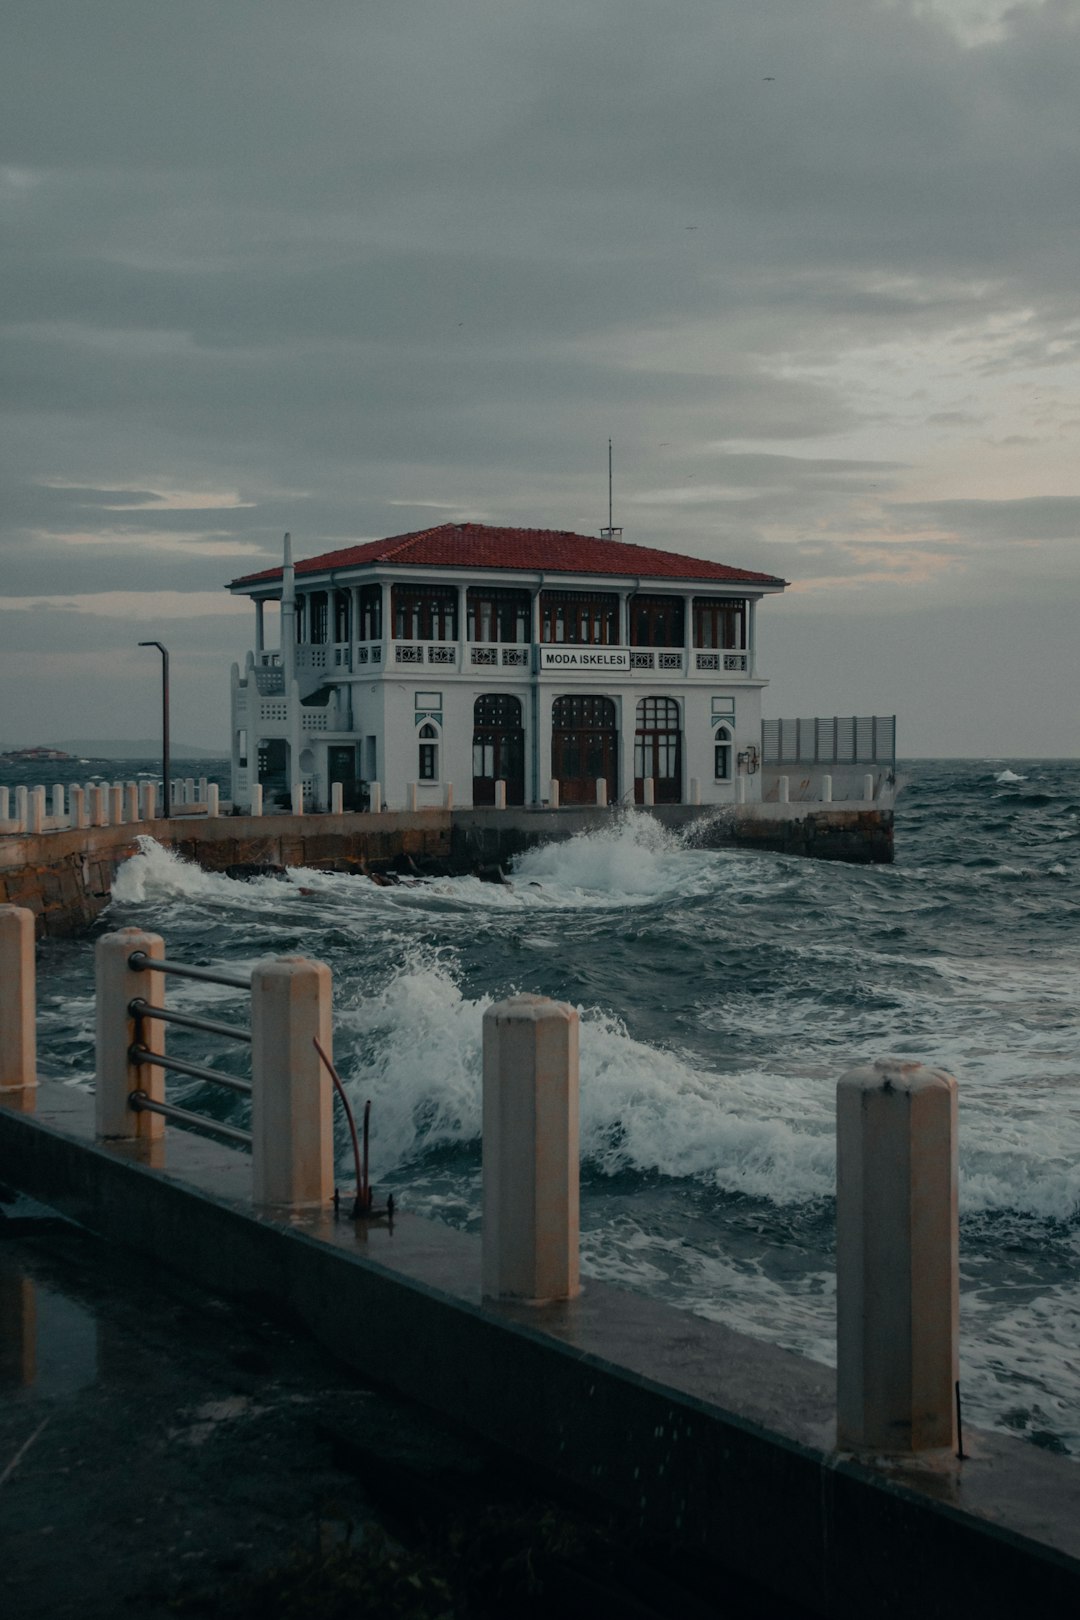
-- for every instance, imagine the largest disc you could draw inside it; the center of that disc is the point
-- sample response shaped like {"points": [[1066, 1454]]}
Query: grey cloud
{"points": [[1038, 517]]}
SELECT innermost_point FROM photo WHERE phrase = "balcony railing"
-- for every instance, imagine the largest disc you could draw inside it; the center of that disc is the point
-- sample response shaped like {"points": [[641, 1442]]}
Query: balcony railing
{"points": [[339, 657]]}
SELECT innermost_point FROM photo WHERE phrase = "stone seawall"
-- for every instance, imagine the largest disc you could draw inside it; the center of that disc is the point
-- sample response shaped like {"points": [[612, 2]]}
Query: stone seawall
{"points": [[65, 878]]}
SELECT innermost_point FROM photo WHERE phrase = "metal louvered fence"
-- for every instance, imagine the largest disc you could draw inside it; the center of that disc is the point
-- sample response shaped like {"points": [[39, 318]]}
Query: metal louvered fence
{"points": [[843, 739]]}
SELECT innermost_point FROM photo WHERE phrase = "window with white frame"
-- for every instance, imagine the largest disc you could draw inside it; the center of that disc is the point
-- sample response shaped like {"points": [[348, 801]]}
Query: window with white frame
{"points": [[722, 746], [428, 764]]}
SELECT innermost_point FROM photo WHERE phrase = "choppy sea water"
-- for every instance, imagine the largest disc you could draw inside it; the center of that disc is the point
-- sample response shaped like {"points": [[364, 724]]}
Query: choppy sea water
{"points": [[721, 995]]}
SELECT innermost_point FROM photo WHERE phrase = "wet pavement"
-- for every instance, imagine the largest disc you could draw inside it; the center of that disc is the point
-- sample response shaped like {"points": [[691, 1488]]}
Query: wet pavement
{"points": [[160, 1450]]}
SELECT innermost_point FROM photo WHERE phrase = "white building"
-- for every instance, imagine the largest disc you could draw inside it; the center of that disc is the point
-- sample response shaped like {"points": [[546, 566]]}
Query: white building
{"points": [[442, 663]]}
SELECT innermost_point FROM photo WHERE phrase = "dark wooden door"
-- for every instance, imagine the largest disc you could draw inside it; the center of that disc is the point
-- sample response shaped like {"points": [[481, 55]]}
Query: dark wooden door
{"points": [[658, 750], [498, 748], [341, 767], [584, 748]]}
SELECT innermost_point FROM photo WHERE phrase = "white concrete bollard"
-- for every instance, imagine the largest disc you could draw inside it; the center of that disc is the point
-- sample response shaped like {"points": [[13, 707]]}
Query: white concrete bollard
{"points": [[5, 804], [116, 804], [18, 1006], [601, 790], [59, 805], [298, 798], [337, 798], [76, 806], [375, 797], [783, 787], [149, 801], [213, 800], [36, 812], [897, 1258], [204, 788], [292, 1102], [99, 805], [500, 794], [695, 790], [189, 790], [868, 785], [553, 795], [22, 807], [117, 1077], [257, 800], [131, 801], [648, 791], [411, 797], [740, 795], [826, 789], [449, 801], [530, 1243]]}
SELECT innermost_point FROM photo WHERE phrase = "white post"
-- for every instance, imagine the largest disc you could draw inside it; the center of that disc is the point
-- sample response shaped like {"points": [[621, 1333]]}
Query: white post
{"points": [[553, 795], [410, 796], [530, 1238], [868, 785], [500, 795], [36, 817], [131, 802], [189, 790], [58, 801], [22, 807], [18, 1008], [601, 790], [897, 1258], [826, 789], [149, 805], [5, 803], [783, 786], [375, 797], [99, 805], [337, 798], [257, 799], [292, 1112], [76, 806], [203, 789], [213, 800], [118, 984], [648, 791], [116, 804], [298, 798], [695, 790]]}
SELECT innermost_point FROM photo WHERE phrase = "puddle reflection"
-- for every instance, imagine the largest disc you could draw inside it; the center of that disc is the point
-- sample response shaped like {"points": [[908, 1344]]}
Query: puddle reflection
{"points": [[48, 1344]]}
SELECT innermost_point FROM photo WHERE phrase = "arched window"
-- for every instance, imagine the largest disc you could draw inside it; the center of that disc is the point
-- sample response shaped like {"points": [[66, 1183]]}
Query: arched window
{"points": [[722, 745], [428, 737]]}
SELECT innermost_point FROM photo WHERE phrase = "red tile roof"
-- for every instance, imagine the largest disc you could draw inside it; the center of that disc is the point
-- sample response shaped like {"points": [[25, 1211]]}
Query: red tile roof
{"points": [[551, 551]]}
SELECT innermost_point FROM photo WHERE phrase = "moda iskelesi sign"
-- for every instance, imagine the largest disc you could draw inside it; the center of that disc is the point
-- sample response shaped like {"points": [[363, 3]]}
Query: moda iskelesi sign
{"points": [[599, 660]]}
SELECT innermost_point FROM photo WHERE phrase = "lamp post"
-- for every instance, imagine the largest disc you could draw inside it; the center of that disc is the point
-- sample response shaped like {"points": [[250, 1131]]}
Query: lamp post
{"points": [[166, 785]]}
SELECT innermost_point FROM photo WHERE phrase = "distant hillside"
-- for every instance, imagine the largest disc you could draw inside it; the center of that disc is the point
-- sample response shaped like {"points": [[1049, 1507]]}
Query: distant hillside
{"points": [[135, 748]]}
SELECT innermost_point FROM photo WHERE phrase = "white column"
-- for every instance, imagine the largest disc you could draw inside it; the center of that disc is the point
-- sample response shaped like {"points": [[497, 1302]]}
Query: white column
{"points": [[292, 1102], [337, 798], [530, 1237], [298, 798], [648, 790], [149, 804], [189, 790], [202, 789], [257, 799], [782, 789], [449, 800], [77, 807], [99, 805], [897, 1258], [22, 807], [5, 803], [688, 636], [37, 810], [131, 802], [826, 789], [213, 800], [375, 797], [868, 785], [601, 790], [58, 801], [117, 985], [553, 793], [411, 796], [500, 795], [18, 1006], [695, 790], [116, 804]]}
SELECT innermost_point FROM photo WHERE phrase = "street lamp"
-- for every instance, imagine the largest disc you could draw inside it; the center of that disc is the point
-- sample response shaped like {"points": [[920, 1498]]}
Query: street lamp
{"points": [[166, 785]]}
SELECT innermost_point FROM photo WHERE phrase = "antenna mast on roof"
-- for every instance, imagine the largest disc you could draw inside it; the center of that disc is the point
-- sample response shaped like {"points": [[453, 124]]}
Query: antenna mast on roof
{"points": [[611, 532]]}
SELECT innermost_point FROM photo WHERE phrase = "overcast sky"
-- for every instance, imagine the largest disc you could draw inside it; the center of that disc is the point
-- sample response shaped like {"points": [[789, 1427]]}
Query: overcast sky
{"points": [[355, 268]]}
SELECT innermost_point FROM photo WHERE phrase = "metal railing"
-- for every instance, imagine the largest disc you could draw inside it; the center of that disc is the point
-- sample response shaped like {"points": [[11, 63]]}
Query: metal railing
{"points": [[139, 1053]]}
